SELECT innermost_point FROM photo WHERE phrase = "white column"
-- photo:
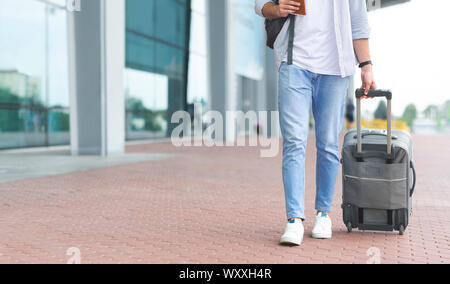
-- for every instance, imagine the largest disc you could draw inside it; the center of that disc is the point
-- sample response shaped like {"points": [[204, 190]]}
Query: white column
{"points": [[223, 85], [97, 58], [271, 88]]}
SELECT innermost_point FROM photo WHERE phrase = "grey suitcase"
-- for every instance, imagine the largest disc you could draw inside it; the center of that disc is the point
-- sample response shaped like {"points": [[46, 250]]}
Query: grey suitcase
{"points": [[378, 175]]}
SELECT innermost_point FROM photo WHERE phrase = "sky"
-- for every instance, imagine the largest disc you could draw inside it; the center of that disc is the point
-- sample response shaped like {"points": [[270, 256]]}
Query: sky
{"points": [[410, 46]]}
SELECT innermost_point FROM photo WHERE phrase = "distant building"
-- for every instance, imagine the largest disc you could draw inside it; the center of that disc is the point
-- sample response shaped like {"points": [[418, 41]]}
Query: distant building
{"points": [[425, 126], [21, 85], [433, 119], [431, 112]]}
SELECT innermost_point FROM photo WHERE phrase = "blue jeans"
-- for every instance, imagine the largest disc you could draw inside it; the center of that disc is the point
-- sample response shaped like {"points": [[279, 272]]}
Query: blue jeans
{"points": [[298, 90]]}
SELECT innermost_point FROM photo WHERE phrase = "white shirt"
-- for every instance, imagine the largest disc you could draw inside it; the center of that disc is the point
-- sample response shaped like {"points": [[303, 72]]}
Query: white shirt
{"points": [[350, 23], [315, 47]]}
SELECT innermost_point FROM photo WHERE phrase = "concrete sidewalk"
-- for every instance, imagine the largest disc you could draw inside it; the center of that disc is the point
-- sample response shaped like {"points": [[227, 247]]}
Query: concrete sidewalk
{"points": [[206, 205]]}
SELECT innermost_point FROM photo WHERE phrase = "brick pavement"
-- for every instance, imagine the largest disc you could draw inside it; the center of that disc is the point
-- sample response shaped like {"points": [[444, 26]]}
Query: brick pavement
{"points": [[206, 205]]}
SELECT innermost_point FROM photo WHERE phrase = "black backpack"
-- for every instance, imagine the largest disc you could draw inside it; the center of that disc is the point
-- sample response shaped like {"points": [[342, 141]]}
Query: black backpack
{"points": [[273, 29]]}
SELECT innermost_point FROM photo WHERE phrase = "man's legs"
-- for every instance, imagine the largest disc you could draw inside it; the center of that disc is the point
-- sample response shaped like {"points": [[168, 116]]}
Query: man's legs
{"points": [[328, 108], [295, 95]]}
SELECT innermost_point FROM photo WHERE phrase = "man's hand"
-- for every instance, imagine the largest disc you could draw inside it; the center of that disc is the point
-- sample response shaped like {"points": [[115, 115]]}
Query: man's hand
{"points": [[367, 79], [287, 7], [363, 53]]}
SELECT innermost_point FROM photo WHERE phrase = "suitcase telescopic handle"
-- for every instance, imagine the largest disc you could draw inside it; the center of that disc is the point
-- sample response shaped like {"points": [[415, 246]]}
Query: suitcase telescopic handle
{"points": [[374, 94], [360, 93]]}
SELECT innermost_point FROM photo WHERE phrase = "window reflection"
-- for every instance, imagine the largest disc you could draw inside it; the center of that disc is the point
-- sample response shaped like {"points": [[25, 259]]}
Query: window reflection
{"points": [[156, 53], [34, 95], [146, 104], [197, 83]]}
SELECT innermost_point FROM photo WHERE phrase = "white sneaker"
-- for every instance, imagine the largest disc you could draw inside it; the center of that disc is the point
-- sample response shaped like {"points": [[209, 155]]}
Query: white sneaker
{"points": [[322, 227], [294, 233]]}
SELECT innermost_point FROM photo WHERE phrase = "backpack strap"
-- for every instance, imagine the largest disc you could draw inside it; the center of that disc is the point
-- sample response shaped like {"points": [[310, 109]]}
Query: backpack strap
{"points": [[291, 39]]}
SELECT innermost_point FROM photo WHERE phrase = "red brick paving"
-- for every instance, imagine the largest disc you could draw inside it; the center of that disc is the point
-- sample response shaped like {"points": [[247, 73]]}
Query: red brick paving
{"points": [[206, 205]]}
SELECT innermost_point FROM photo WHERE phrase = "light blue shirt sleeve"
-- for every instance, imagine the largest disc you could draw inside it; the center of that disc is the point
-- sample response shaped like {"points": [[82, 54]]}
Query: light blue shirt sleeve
{"points": [[360, 19], [259, 5]]}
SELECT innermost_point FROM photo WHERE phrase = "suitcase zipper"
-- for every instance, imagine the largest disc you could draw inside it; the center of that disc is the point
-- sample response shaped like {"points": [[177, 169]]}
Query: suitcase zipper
{"points": [[375, 179]]}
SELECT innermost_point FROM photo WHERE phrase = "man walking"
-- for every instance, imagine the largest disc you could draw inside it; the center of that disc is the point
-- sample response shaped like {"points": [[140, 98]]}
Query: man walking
{"points": [[325, 43]]}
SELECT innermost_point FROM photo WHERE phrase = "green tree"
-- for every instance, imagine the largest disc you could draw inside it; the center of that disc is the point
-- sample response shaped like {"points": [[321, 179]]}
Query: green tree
{"points": [[10, 119], [381, 111], [410, 114], [447, 113], [137, 107], [135, 104], [7, 97], [431, 111], [59, 121]]}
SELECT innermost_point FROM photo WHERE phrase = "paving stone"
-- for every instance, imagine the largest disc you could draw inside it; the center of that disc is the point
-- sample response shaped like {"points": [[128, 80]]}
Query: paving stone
{"points": [[206, 205]]}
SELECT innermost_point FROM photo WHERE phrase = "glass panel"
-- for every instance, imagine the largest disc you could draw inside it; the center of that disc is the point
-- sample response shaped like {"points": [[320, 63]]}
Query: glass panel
{"points": [[146, 103], [170, 60], [58, 126], [58, 89], [33, 72], [248, 36], [142, 19], [21, 127], [60, 3], [58, 60], [198, 33], [198, 6], [156, 41], [22, 66], [170, 22], [197, 87], [140, 52], [156, 52], [197, 82]]}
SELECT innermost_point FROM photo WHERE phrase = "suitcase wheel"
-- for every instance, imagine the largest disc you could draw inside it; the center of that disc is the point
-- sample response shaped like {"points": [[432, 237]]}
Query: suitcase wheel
{"points": [[349, 227], [402, 230]]}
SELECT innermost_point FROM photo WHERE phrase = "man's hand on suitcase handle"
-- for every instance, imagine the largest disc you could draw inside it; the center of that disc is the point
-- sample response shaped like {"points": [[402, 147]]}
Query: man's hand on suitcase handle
{"points": [[362, 51], [360, 93], [368, 81]]}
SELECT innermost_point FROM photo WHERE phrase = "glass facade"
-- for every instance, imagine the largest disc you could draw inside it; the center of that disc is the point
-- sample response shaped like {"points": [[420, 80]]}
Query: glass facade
{"points": [[34, 97], [34, 87], [197, 82], [157, 54]]}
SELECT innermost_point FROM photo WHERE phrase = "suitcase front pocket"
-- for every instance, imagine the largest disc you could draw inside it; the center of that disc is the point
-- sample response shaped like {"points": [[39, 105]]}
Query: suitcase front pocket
{"points": [[376, 186]]}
